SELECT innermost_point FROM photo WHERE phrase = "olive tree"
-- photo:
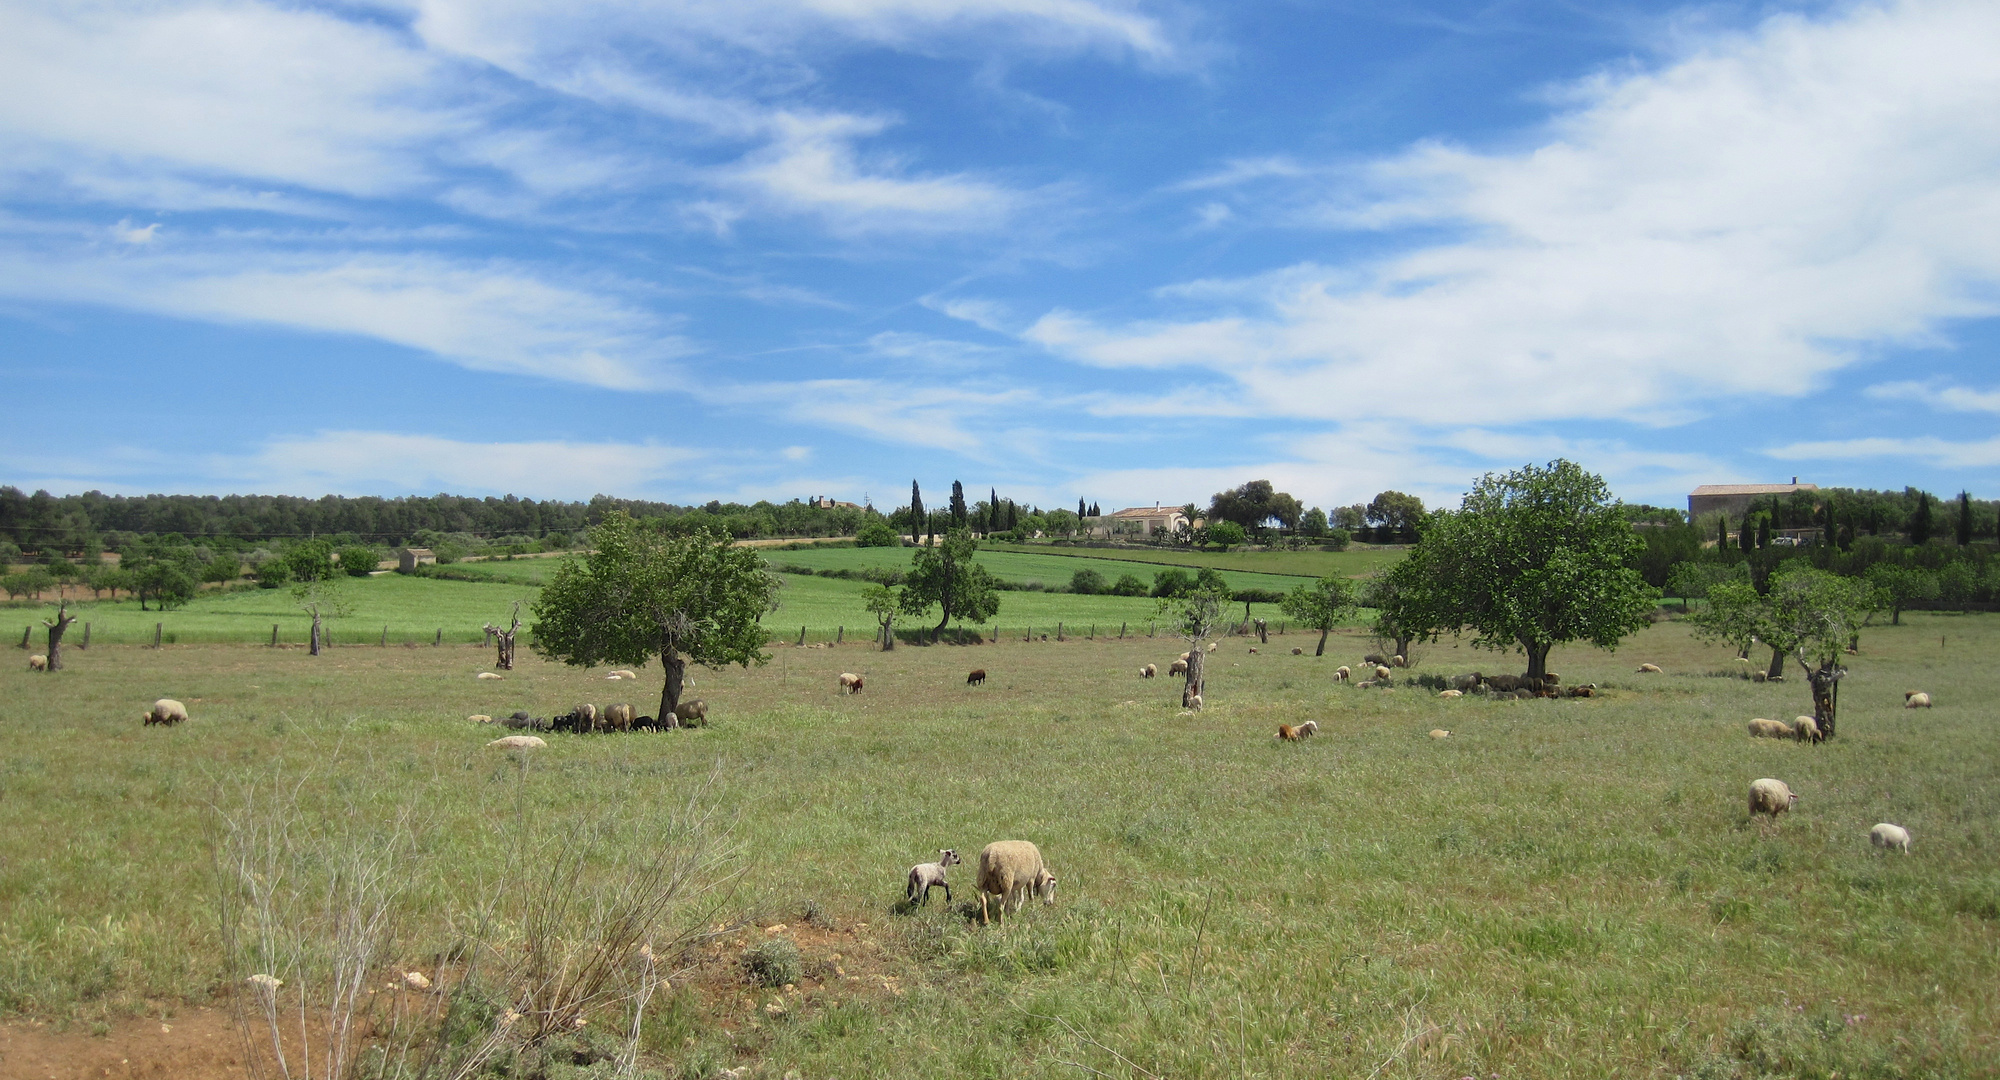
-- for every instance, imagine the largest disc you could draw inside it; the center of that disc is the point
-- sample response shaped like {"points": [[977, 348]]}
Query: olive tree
{"points": [[641, 592], [1320, 605], [943, 575], [885, 603], [1531, 559], [1195, 614], [1809, 615]]}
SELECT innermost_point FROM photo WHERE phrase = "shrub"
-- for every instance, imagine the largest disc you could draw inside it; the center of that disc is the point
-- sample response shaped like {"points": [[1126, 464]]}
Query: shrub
{"points": [[1257, 596], [358, 561], [1337, 540], [275, 573], [877, 533], [1129, 585], [1087, 582], [1171, 583], [773, 963]]}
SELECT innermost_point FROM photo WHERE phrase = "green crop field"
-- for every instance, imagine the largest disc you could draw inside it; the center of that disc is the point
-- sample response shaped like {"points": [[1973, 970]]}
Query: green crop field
{"points": [[1359, 560], [1558, 889], [1019, 565]]}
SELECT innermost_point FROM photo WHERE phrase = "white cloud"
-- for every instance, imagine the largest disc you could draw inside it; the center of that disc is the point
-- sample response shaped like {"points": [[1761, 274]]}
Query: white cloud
{"points": [[812, 166], [1243, 171], [375, 462], [128, 233], [1939, 452], [1939, 396], [1741, 221], [985, 314], [1209, 215]]}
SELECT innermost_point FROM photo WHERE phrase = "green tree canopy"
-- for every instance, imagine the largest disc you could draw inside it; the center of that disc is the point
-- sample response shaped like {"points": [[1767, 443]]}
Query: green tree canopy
{"points": [[1531, 559], [1227, 534], [1254, 505], [885, 603], [1395, 510], [358, 560], [877, 532], [1087, 582], [1903, 586], [944, 575], [642, 593], [1321, 605], [1809, 615], [311, 560]]}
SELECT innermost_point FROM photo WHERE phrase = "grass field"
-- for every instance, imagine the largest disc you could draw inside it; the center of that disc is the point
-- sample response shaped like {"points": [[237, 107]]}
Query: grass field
{"points": [[1559, 889], [1358, 560], [1022, 565]]}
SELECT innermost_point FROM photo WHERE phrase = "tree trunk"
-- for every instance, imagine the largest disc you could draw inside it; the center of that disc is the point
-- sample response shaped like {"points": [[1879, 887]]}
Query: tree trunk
{"points": [[315, 633], [56, 629], [1403, 649], [1324, 631], [1777, 668], [1263, 632], [670, 689], [1538, 658], [888, 636], [1895, 613], [1194, 685], [1826, 696]]}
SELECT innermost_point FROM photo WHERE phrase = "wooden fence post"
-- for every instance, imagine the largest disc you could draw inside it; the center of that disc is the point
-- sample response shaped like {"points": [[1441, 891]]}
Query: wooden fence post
{"points": [[157, 627], [86, 636], [1121, 631], [802, 636], [440, 638], [385, 635], [840, 635], [274, 635], [1059, 636], [25, 631]]}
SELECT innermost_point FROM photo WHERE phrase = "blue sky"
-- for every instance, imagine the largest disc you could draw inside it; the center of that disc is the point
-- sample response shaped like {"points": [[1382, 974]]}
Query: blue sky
{"points": [[1115, 249]]}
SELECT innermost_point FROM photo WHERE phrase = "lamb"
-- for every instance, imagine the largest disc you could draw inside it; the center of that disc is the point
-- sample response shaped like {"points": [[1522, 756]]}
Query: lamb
{"points": [[1772, 797], [1010, 870], [1761, 728], [1886, 835], [1341, 674], [519, 742], [927, 876], [1451, 693], [1194, 702], [1807, 729], [1148, 671], [619, 717], [850, 682], [1650, 669], [1308, 729], [691, 713], [1440, 733], [484, 675], [1178, 667], [1916, 699], [166, 712], [977, 678], [38, 662]]}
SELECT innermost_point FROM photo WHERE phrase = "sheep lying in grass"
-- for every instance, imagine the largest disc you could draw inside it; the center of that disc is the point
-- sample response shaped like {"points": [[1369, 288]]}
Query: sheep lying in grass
{"points": [[479, 718], [1298, 652], [1886, 835], [1148, 671], [1761, 728], [1440, 733], [518, 742], [1010, 870], [850, 682], [927, 876], [622, 673], [1770, 797], [1650, 669], [1194, 702], [486, 675], [38, 662], [1916, 699], [1451, 693], [166, 712]]}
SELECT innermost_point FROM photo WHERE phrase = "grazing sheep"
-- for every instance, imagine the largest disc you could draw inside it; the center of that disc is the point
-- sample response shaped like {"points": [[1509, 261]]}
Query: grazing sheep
{"points": [[1374, 658], [1806, 728], [1341, 674], [850, 682], [1650, 669], [1010, 870], [38, 662], [1467, 682], [1178, 667], [619, 717], [977, 678], [1761, 728], [1916, 699], [1212, 645], [1288, 733], [1382, 673], [1451, 693], [1308, 729], [519, 742], [1772, 797], [646, 723], [486, 675], [166, 712], [1148, 671], [1298, 652], [1187, 655], [691, 713], [586, 718], [1440, 733], [1398, 661], [479, 718], [927, 876], [1886, 835], [1194, 702]]}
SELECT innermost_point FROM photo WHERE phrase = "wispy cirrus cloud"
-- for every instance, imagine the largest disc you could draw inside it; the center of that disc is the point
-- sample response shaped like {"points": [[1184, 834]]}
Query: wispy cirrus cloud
{"points": [[1941, 452], [1938, 395]]}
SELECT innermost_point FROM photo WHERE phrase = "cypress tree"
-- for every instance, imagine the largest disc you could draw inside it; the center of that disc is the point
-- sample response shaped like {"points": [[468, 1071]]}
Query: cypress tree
{"points": [[959, 518], [1082, 511], [1722, 530], [918, 518], [1920, 522], [1746, 533], [1013, 516], [1764, 532], [1964, 518]]}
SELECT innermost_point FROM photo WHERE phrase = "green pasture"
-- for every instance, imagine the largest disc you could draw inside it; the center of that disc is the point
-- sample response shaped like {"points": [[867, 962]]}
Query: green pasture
{"points": [[1017, 566], [1558, 889], [1359, 560]]}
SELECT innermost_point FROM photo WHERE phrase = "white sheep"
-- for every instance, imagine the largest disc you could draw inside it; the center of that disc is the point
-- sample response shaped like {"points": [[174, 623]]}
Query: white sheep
{"points": [[1440, 733], [1398, 661], [1650, 669], [1148, 671], [850, 682], [38, 662], [1761, 728], [487, 676], [1382, 673], [1886, 835], [1772, 797], [479, 718], [1916, 699], [1451, 693], [1194, 702], [927, 876], [625, 674], [1806, 729], [1010, 870], [1178, 667], [165, 711], [519, 742]]}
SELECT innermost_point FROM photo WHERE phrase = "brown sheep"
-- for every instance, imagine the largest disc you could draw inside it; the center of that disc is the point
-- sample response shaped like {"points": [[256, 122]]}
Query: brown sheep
{"points": [[618, 717], [977, 678], [850, 682], [1298, 652], [691, 713], [1308, 729], [1341, 674], [1288, 733]]}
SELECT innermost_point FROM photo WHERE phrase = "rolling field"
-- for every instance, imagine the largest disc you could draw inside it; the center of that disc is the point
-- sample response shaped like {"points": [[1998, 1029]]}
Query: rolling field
{"points": [[1359, 560], [1558, 889], [1018, 565]]}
